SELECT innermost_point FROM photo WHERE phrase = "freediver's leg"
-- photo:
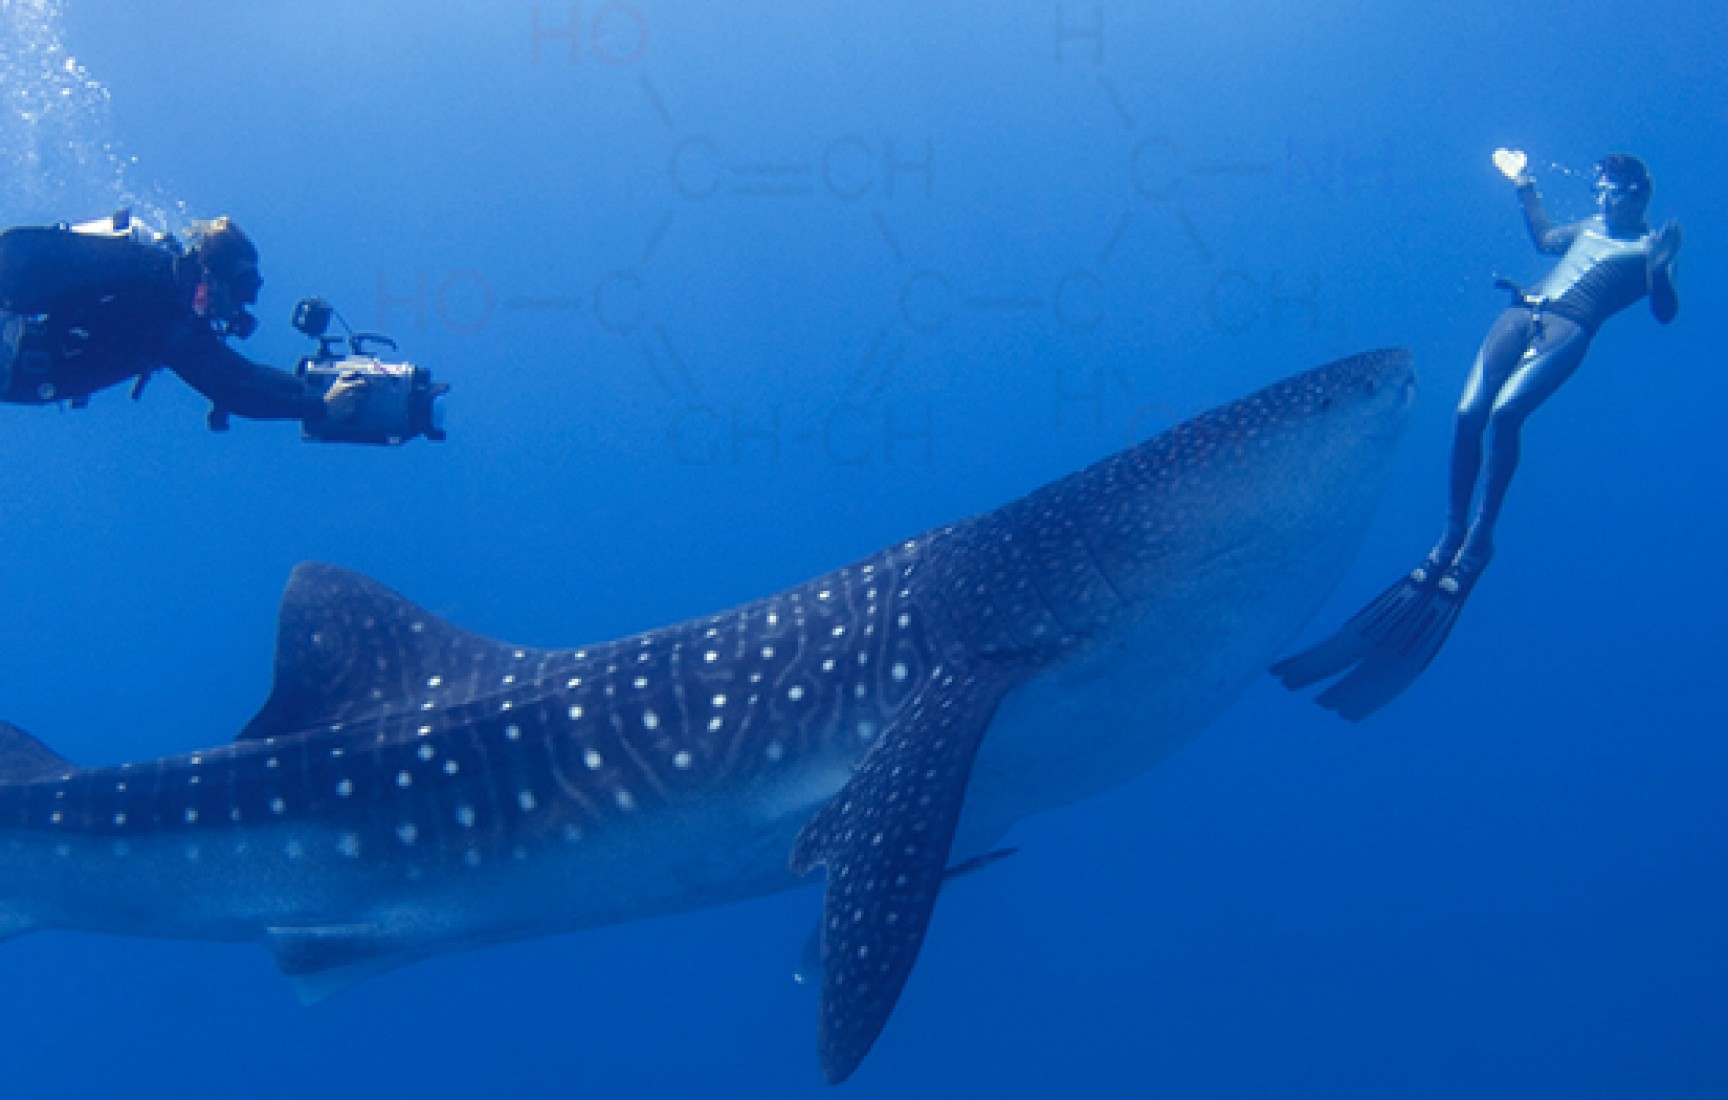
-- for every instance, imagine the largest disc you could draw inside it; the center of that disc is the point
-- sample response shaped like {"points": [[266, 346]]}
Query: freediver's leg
{"points": [[1495, 363], [1421, 631], [1406, 645], [1554, 359], [1391, 614]]}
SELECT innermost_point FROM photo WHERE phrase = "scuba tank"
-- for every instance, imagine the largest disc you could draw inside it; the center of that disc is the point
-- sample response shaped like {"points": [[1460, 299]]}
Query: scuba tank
{"points": [[122, 225], [43, 268], [56, 279]]}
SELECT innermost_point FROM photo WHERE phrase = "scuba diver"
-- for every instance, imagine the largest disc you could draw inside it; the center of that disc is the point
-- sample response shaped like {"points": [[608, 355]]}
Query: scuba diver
{"points": [[90, 306], [1607, 262]]}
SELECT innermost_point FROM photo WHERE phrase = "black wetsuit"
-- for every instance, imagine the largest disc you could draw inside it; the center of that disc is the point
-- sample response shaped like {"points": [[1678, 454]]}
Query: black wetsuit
{"points": [[109, 310]]}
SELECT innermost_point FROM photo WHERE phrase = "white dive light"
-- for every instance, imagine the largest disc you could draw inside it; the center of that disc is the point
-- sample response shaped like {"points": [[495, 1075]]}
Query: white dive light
{"points": [[1511, 162]]}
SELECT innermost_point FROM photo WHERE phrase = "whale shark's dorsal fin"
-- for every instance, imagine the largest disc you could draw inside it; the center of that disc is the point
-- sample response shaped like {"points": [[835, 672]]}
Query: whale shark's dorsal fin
{"points": [[23, 759], [349, 649], [885, 840]]}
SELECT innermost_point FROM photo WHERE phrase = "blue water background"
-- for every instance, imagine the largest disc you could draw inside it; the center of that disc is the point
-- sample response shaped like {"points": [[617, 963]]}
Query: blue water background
{"points": [[731, 294]]}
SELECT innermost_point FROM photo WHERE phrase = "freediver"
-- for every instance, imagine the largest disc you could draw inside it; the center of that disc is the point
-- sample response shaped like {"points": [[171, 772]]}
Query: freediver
{"points": [[1607, 262]]}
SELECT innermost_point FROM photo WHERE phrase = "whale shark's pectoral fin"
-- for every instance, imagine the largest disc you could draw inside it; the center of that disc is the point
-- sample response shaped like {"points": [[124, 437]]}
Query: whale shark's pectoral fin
{"points": [[885, 840], [809, 970], [322, 961]]}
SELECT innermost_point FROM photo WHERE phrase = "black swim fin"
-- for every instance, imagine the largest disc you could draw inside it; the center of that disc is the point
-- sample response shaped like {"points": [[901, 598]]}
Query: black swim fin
{"points": [[1404, 653], [1366, 631]]}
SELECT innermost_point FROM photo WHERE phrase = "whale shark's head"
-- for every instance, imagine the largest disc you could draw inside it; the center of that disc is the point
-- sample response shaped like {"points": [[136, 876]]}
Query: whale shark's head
{"points": [[1352, 411], [1282, 480], [1164, 579], [1246, 513]]}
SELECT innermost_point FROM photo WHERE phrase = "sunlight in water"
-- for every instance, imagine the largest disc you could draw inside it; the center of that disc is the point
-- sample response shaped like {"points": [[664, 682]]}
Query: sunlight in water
{"points": [[58, 154]]}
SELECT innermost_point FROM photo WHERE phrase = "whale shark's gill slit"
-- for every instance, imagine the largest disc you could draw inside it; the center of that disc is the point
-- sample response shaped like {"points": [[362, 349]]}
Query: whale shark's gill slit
{"points": [[643, 768], [1110, 583], [568, 773], [664, 742]]}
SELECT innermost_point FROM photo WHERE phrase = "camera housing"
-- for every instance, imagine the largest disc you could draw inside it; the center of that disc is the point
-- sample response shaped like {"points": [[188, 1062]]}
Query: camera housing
{"points": [[398, 401]]}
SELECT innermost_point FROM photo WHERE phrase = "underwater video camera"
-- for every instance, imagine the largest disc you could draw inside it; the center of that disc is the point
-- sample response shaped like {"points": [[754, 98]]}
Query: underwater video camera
{"points": [[399, 401]]}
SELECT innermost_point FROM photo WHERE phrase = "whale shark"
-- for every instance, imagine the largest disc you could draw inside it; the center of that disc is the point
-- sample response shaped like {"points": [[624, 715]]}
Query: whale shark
{"points": [[409, 788]]}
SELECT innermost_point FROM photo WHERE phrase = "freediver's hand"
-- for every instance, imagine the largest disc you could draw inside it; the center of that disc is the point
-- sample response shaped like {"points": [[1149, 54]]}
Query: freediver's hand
{"points": [[1666, 246], [342, 400], [1512, 164]]}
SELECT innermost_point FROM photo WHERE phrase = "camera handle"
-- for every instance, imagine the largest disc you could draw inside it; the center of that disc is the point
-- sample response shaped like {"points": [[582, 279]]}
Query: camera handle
{"points": [[358, 342]]}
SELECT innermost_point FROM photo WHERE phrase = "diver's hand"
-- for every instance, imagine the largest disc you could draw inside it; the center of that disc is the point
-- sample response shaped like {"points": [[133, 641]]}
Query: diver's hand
{"points": [[342, 400], [1666, 245], [1512, 164]]}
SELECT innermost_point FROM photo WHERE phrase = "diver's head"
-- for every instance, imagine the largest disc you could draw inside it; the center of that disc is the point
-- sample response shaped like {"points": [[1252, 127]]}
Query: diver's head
{"points": [[1622, 189], [227, 264]]}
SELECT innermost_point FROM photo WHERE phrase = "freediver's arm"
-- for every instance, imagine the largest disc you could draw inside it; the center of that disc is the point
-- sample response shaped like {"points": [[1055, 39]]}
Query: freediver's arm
{"points": [[1548, 236], [1664, 294]]}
